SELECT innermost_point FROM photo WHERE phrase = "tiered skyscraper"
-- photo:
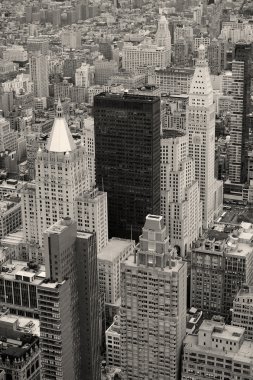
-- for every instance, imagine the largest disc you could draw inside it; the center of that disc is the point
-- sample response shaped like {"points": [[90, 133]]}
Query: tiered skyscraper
{"points": [[201, 128], [153, 312], [163, 37], [62, 188], [127, 146], [39, 75], [180, 195]]}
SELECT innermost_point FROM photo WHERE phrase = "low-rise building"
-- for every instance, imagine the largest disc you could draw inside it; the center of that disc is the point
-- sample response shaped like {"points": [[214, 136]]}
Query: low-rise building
{"points": [[242, 314], [219, 269], [10, 217], [113, 343], [218, 351], [20, 352]]}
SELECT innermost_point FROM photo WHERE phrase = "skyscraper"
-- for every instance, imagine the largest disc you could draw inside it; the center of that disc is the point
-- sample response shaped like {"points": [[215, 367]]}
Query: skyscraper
{"points": [[61, 175], [127, 146], [201, 128], [180, 196], [244, 53], [68, 304], [163, 37], [153, 312], [39, 75]]}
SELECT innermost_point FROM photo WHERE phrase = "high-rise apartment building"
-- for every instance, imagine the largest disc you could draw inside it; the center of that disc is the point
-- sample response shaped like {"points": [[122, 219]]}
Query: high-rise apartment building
{"points": [[180, 196], [218, 351], [68, 304], [153, 309], [218, 270], [201, 128], [242, 314], [127, 146], [39, 75]]}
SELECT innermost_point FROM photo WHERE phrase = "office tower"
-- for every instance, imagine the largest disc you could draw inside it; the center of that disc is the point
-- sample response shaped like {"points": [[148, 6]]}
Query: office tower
{"points": [[218, 270], [242, 314], [38, 44], [214, 57], [244, 53], [236, 88], [217, 351], [180, 196], [153, 306], [91, 215], [184, 31], [146, 54], [39, 75], [70, 65], [181, 52], [174, 81], [8, 137], [104, 70], [162, 37], [198, 41], [68, 304], [84, 75], [61, 175], [89, 144], [201, 127], [109, 260], [127, 146], [20, 356]]}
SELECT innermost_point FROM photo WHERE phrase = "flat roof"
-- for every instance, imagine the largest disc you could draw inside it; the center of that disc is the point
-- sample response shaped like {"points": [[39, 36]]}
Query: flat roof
{"points": [[114, 248], [18, 268], [24, 324], [176, 265]]}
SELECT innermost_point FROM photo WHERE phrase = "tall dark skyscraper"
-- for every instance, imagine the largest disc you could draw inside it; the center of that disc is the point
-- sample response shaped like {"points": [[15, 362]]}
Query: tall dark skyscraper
{"points": [[127, 146], [244, 53], [68, 304]]}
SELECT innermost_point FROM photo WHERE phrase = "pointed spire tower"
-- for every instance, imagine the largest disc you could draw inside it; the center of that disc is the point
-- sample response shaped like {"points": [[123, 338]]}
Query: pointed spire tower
{"points": [[163, 37], [201, 129], [60, 139], [61, 175]]}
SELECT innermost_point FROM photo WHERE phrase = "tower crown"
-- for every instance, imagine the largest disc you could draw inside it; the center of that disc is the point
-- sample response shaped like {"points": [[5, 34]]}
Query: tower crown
{"points": [[60, 139]]}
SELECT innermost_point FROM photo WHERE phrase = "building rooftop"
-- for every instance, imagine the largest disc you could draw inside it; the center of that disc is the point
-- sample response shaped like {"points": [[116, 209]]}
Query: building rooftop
{"points": [[175, 264], [114, 248], [21, 324], [20, 271], [172, 133]]}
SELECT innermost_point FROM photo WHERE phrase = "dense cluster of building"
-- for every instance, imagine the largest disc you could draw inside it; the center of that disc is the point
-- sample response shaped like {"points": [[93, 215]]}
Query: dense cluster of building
{"points": [[126, 128]]}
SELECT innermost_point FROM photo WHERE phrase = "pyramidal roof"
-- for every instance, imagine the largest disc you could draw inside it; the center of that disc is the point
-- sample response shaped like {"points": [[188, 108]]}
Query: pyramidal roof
{"points": [[201, 82], [60, 139]]}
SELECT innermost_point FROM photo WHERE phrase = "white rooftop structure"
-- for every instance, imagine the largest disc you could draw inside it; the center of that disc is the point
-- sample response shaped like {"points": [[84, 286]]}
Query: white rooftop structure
{"points": [[60, 139]]}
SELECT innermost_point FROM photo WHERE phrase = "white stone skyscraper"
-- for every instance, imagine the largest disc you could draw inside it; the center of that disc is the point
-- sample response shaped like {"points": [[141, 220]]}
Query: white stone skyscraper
{"points": [[201, 129], [163, 37], [62, 188], [39, 75], [153, 306], [180, 196]]}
